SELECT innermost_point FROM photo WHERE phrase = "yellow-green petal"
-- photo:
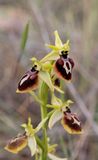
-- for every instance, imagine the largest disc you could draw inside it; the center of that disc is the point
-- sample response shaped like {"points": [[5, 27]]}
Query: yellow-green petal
{"points": [[58, 41], [50, 56]]}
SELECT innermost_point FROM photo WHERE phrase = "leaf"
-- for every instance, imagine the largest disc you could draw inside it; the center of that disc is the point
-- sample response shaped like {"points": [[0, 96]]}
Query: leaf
{"points": [[40, 125], [32, 145], [46, 78], [50, 56], [58, 41], [56, 116], [53, 157], [24, 36]]}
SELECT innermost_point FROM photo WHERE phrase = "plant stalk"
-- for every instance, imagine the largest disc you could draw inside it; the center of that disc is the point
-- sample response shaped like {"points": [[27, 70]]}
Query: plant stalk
{"points": [[43, 94]]}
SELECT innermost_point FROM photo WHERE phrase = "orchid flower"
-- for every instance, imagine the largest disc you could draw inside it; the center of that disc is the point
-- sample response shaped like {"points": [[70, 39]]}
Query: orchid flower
{"points": [[18, 143], [69, 121]]}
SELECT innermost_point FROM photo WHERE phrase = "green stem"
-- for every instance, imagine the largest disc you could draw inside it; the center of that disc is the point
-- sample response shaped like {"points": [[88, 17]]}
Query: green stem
{"points": [[43, 94]]}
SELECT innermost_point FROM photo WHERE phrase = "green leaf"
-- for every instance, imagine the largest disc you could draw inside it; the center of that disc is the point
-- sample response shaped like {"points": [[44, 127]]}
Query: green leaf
{"points": [[40, 125], [46, 78], [24, 36], [58, 41], [53, 157], [32, 145], [56, 116]]}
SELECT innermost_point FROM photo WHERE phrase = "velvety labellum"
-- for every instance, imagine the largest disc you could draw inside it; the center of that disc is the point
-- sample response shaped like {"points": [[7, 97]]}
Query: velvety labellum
{"points": [[17, 144], [28, 82], [63, 68], [71, 123]]}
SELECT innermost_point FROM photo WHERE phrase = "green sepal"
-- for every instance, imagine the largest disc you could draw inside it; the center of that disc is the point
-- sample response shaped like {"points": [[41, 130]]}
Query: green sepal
{"points": [[52, 56], [58, 41], [45, 76]]}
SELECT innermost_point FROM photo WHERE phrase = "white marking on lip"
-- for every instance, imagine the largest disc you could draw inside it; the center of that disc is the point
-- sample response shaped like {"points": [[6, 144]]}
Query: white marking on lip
{"points": [[65, 66], [24, 79], [76, 122]]}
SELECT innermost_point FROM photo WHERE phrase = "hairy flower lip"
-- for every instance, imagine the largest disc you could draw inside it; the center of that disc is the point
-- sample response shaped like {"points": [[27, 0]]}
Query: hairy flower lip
{"points": [[17, 143], [28, 82], [71, 123], [63, 69]]}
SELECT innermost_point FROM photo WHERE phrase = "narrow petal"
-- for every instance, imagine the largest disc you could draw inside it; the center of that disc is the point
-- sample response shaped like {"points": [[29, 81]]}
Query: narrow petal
{"points": [[40, 125], [67, 104], [32, 145], [47, 79], [52, 47], [66, 46], [56, 116], [59, 89], [53, 157], [58, 41]]}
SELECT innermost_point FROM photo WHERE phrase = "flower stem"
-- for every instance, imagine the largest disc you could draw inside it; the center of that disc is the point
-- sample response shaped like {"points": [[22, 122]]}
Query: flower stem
{"points": [[43, 94]]}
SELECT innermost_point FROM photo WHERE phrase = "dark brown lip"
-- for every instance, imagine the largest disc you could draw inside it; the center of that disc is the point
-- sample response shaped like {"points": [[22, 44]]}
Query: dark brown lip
{"points": [[71, 61], [72, 121], [28, 81], [61, 71], [17, 141]]}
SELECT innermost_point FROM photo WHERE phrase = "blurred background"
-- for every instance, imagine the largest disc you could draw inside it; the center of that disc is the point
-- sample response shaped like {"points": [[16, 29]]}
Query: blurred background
{"points": [[75, 20]]}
